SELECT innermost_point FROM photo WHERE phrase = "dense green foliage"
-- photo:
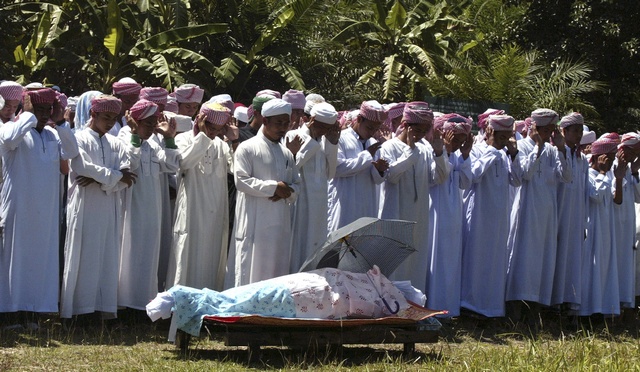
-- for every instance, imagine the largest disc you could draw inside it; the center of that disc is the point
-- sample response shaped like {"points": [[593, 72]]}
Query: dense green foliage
{"points": [[563, 54]]}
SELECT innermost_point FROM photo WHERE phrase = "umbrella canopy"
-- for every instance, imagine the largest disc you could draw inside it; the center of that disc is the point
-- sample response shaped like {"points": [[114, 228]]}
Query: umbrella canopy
{"points": [[363, 243]]}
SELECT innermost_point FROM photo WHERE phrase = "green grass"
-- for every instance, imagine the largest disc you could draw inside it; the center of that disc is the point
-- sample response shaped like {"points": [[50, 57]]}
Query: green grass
{"points": [[465, 344]]}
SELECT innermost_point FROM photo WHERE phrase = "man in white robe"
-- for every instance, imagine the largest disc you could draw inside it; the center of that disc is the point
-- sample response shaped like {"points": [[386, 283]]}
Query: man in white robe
{"points": [[413, 168], [316, 161], [92, 248], [445, 216], [268, 183], [533, 237], [573, 200], [140, 250], [486, 224], [353, 190], [600, 290], [201, 227], [29, 210]]}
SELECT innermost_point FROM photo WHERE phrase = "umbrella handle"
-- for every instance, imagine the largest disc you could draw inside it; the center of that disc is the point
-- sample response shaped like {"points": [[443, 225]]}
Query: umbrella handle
{"points": [[389, 307]]}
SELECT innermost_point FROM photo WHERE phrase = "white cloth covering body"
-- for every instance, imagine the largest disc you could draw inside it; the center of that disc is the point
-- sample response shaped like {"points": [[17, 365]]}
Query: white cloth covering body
{"points": [[404, 196], [92, 247], [533, 236], [262, 229], [573, 202], [201, 227], [444, 272], [353, 191], [600, 292], [30, 213], [316, 162], [486, 229], [624, 217], [140, 250]]}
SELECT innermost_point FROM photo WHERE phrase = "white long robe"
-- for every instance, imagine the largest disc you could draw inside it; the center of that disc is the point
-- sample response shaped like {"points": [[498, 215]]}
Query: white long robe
{"points": [[444, 272], [533, 237], [262, 228], [316, 162], [92, 247], [140, 250], [486, 229], [29, 263], [624, 217], [353, 190], [404, 195], [600, 293], [573, 202], [201, 227]]}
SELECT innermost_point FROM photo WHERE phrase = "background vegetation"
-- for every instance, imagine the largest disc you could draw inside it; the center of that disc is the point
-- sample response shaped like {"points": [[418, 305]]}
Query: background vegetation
{"points": [[563, 54]]}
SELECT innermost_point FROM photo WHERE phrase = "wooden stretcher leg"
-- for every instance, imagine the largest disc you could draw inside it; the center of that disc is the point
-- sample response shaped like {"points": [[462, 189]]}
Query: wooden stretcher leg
{"points": [[182, 341], [409, 349], [253, 351]]}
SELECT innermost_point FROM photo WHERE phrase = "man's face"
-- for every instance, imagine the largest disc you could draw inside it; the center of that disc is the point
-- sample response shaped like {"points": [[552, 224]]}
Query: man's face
{"points": [[128, 100], [320, 128], [366, 128], [419, 130], [296, 114], [546, 131], [629, 154], [275, 127], [501, 137], [213, 130], [187, 108], [147, 126], [102, 122], [9, 109], [572, 134], [457, 141], [42, 111], [395, 123]]}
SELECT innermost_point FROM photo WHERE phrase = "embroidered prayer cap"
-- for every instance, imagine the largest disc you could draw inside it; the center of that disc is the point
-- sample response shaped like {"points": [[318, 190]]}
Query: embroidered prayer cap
{"points": [[106, 103], [172, 104], [482, 118], [259, 101], [296, 98], [34, 86], [187, 93], [588, 136], [269, 92], [607, 143], [143, 109], [72, 103], [126, 87], [574, 118], [275, 107], [11, 91], [373, 111], [215, 113], [225, 100], [241, 114], [417, 113], [500, 122], [325, 113], [156, 95], [458, 124], [631, 140], [311, 100], [542, 117], [44, 96]]}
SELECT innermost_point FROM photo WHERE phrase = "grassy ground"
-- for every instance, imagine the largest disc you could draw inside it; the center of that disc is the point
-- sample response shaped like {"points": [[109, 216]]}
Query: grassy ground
{"points": [[133, 343]]}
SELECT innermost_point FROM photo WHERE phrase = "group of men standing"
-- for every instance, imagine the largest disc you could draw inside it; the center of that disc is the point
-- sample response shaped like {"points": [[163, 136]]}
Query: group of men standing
{"points": [[521, 212]]}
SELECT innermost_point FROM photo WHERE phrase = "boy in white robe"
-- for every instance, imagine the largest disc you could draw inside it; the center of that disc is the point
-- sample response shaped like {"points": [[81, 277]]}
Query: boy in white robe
{"points": [[413, 168], [353, 191], [268, 183], [445, 216], [316, 161], [92, 248], [140, 251], [600, 290], [573, 200], [486, 225], [29, 211], [127, 91], [201, 227], [534, 221], [11, 92]]}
